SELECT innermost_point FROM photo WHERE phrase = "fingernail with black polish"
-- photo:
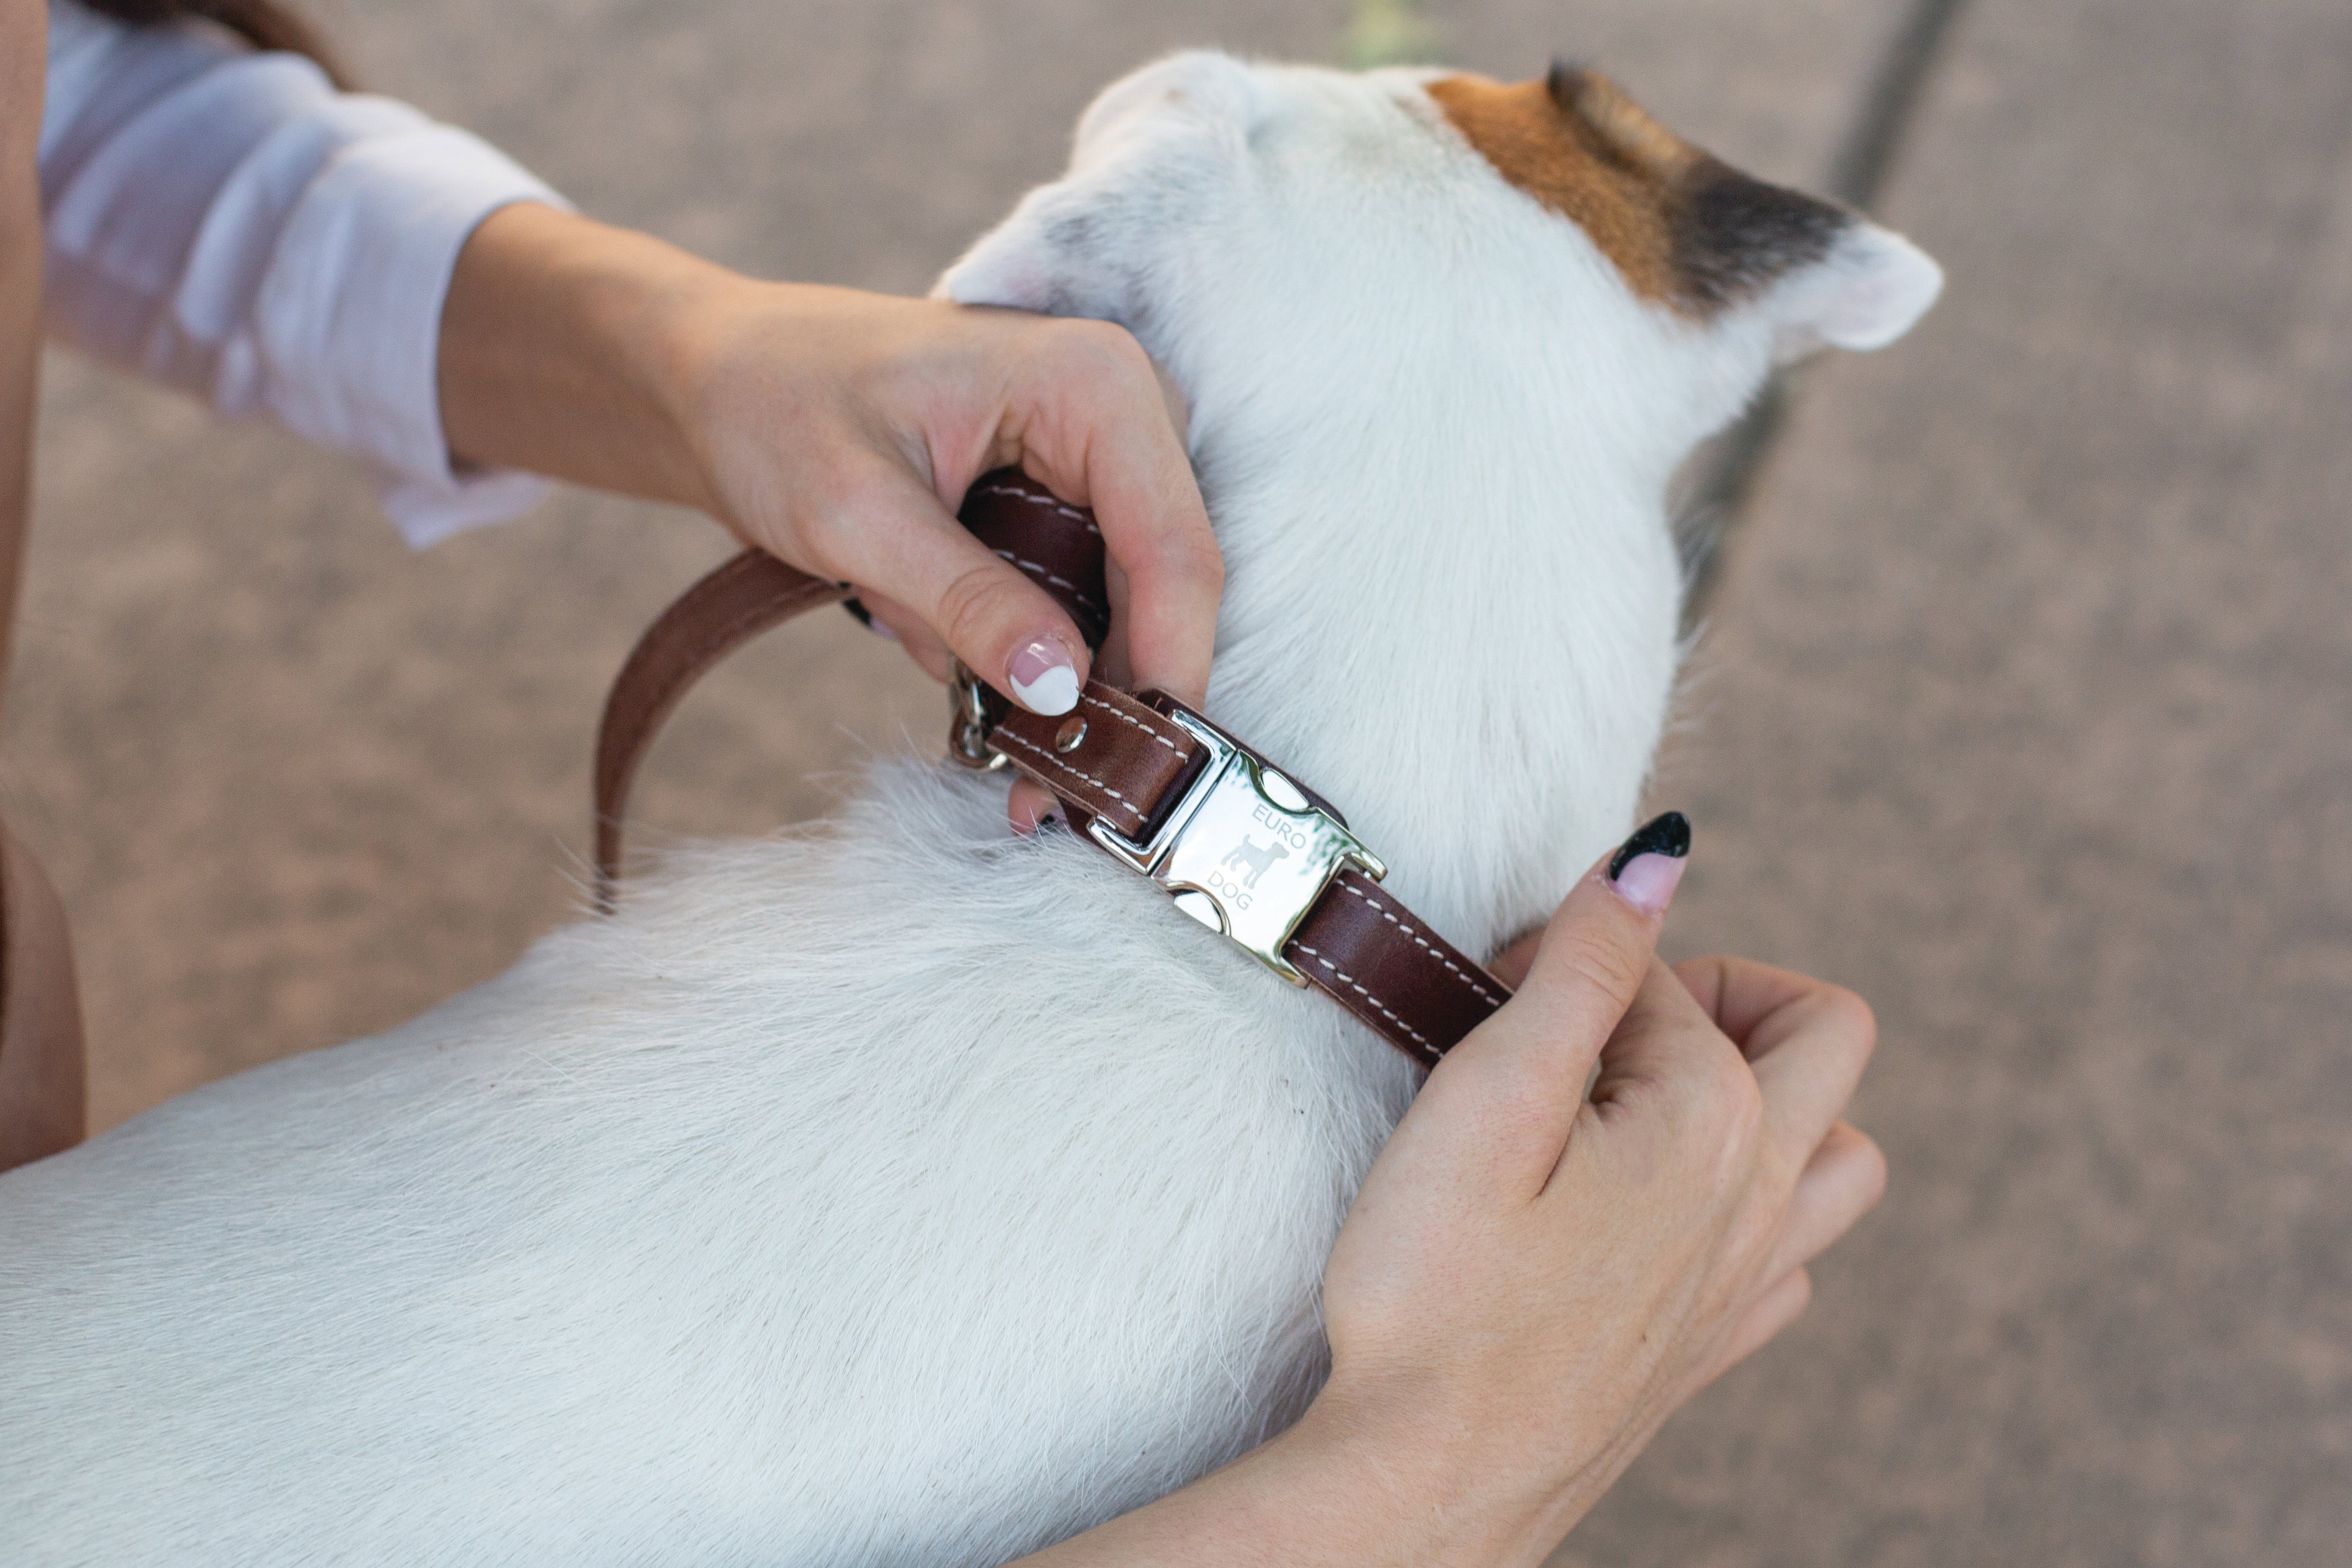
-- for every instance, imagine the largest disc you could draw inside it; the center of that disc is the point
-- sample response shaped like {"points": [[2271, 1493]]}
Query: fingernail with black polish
{"points": [[865, 618], [1647, 866]]}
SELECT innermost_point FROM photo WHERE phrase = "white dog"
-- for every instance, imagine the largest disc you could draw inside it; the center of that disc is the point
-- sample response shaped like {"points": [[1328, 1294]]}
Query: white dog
{"points": [[902, 1191]]}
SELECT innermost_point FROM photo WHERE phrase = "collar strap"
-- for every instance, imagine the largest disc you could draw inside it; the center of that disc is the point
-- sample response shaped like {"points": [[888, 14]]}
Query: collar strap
{"points": [[1252, 855], [1236, 843]]}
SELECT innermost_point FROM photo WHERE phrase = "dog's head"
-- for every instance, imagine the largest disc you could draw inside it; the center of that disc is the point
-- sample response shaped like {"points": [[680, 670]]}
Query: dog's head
{"points": [[1225, 212]]}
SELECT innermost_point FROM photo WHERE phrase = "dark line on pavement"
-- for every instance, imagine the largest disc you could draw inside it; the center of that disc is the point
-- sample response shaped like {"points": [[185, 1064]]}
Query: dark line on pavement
{"points": [[1858, 174], [1866, 155]]}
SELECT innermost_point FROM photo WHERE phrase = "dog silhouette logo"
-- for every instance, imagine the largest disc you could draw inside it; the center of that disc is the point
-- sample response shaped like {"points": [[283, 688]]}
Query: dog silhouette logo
{"points": [[1252, 858]]}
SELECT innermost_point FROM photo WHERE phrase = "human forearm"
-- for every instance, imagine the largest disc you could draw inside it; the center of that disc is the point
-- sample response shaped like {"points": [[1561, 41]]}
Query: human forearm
{"points": [[1355, 1482], [561, 352]]}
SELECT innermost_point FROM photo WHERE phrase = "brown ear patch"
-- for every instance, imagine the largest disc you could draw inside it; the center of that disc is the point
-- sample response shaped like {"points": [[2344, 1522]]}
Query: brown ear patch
{"points": [[1684, 228]]}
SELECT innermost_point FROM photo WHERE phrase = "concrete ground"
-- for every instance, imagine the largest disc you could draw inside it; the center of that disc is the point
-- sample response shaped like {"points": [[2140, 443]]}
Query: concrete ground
{"points": [[2022, 707]]}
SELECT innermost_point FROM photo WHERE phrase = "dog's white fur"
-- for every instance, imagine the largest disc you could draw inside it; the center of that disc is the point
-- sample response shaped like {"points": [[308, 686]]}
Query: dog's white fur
{"points": [[901, 1192]]}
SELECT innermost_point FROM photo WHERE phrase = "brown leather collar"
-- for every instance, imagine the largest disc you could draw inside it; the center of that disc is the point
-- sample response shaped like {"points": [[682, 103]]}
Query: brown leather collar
{"points": [[1241, 846]]}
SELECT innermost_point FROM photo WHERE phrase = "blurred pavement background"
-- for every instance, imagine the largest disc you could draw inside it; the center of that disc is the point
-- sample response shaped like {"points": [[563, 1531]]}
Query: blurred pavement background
{"points": [[2022, 706]]}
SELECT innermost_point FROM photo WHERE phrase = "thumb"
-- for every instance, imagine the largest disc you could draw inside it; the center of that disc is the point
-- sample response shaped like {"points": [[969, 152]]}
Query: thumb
{"points": [[1005, 628], [1539, 1050]]}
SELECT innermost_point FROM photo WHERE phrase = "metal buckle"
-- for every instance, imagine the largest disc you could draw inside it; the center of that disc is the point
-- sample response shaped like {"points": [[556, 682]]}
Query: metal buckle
{"points": [[1244, 852], [967, 723]]}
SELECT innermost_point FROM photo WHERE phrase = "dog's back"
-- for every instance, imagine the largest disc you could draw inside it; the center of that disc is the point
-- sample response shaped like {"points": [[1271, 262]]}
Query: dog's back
{"points": [[741, 1226]]}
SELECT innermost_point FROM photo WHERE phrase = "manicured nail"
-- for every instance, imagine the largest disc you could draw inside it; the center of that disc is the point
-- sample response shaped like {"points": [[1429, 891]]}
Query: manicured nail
{"points": [[1647, 866], [1043, 677], [857, 608]]}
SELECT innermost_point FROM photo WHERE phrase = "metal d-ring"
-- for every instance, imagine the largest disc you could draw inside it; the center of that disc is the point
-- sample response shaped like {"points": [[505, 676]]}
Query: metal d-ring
{"points": [[968, 723]]}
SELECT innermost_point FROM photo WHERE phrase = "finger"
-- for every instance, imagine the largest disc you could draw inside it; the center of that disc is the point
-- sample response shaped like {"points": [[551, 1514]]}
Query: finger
{"points": [[1101, 435], [1809, 1041], [1030, 805], [1112, 659], [894, 534], [1592, 958], [1781, 1304], [1843, 1181], [1668, 1064], [1511, 965], [1808, 1056], [1740, 993], [903, 627]]}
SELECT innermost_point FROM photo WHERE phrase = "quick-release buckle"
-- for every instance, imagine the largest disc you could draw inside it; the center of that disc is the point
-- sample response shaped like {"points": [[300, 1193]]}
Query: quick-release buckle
{"points": [[1244, 852]]}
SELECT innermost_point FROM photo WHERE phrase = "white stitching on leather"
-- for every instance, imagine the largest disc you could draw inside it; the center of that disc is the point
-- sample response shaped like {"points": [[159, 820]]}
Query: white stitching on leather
{"points": [[1026, 744], [1073, 513], [1350, 981], [1459, 973], [1058, 582], [1123, 715]]}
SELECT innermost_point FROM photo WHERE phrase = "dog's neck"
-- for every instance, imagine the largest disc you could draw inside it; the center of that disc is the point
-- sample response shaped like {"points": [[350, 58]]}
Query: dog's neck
{"points": [[1457, 622]]}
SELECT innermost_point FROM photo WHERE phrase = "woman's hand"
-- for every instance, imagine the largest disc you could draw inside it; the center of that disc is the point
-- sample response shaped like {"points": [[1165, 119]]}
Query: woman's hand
{"points": [[839, 431], [1531, 1280]]}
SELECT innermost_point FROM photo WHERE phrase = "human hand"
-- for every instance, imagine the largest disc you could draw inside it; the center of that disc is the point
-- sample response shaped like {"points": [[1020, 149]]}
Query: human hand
{"points": [[839, 431], [1533, 1278], [1530, 1281]]}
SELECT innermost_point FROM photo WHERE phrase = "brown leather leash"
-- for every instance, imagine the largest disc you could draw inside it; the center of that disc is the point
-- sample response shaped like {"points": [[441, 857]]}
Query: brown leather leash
{"points": [[1236, 842]]}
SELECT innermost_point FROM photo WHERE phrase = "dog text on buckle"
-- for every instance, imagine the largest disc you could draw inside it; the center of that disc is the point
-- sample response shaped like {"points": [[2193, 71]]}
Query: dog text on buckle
{"points": [[1244, 852]]}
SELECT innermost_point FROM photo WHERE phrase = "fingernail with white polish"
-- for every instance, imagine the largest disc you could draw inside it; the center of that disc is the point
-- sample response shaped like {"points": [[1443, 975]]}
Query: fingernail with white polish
{"points": [[1043, 677], [1646, 867]]}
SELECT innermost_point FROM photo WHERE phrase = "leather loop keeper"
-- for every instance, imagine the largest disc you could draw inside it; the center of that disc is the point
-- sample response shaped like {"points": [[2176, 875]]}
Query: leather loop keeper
{"points": [[1129, 766]]}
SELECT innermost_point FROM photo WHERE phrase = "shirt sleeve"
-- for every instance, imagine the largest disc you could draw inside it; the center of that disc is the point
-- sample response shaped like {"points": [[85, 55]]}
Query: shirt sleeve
{"points": [[225, 222]]}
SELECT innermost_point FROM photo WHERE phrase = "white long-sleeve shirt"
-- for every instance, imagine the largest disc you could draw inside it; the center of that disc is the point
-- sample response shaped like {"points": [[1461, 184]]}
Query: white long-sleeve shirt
{"points": [[225, 222]]}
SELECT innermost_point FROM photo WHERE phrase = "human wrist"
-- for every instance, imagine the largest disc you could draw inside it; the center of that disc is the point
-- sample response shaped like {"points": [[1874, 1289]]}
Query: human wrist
{"points": [[673, 319], [739, 367], [1452, 1487]]}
